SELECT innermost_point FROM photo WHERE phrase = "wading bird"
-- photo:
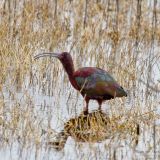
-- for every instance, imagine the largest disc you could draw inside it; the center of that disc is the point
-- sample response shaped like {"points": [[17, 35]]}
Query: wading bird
{"points": [[92, 82]]}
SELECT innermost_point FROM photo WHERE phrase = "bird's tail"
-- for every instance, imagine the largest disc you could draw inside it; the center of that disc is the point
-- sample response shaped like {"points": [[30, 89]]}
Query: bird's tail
{"points": [[121, 92]]}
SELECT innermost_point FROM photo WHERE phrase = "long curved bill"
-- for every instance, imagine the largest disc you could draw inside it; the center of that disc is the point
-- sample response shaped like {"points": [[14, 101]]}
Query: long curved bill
{"points": [[46, 55]]}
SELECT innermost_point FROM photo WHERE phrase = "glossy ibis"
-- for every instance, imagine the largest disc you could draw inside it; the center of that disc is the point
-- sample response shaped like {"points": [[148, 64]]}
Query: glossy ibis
{"points": [[92, 82]]}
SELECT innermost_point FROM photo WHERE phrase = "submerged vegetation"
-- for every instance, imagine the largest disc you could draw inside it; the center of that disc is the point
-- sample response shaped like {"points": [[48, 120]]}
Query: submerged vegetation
{"points": [[36, 98]]}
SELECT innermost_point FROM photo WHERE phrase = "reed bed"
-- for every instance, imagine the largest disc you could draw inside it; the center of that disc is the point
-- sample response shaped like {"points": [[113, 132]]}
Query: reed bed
{"points": [[36, 98]]}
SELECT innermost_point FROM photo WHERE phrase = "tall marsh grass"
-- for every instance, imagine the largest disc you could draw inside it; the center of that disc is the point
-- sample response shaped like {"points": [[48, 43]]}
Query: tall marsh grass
{"points": [[121, 37]]}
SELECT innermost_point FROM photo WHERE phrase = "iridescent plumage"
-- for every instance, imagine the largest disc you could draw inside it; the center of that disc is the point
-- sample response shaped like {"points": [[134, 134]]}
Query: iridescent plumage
{"points": [[93, 83]]}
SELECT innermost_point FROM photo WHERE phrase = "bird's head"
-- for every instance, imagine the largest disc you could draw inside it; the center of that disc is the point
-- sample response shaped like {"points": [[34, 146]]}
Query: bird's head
{"points": [[64, 57]]}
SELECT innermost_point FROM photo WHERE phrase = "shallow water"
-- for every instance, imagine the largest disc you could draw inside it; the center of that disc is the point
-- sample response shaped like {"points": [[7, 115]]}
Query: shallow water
{"points": [[36, 99], [45, 115], [34, 113]]}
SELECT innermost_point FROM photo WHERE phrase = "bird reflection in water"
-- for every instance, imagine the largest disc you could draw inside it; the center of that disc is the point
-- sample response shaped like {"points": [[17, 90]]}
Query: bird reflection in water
{"points": [[94, 127]]}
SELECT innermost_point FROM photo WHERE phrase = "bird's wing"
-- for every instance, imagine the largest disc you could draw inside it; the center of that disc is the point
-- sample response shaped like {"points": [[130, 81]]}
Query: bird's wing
{"points": [[95, 81]]}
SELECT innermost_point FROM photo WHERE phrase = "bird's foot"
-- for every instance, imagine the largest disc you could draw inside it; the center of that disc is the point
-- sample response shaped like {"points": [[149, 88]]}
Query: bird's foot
{"points": [[99, 108], [85, 111]]}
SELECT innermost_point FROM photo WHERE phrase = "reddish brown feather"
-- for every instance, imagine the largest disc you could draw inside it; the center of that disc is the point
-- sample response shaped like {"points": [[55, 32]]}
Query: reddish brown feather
{"points": [[84, 72]]}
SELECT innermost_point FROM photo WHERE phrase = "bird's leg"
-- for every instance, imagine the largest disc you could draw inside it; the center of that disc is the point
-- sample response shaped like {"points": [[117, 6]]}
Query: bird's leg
{"points": [[85, 110], [100, 103]]}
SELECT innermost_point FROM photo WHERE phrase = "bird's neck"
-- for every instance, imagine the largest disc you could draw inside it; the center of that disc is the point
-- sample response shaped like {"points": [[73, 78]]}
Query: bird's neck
{"points": [[69, 68]]}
